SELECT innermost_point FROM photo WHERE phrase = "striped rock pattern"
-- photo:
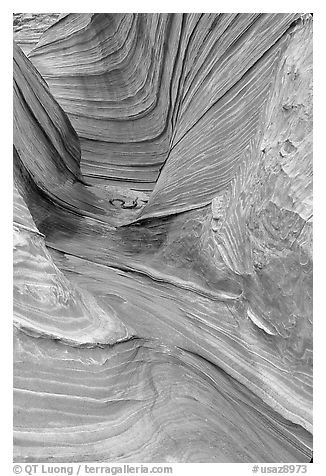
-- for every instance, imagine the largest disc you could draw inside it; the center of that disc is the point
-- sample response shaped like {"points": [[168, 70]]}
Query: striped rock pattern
{"points": [[139, 401], [46, 147], [28, 28], [143, 333], [45, 301], [135, 85]]}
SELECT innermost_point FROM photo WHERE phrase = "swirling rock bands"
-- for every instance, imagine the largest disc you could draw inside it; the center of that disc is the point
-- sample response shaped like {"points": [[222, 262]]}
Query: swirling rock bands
{"points": [[174, 327]]}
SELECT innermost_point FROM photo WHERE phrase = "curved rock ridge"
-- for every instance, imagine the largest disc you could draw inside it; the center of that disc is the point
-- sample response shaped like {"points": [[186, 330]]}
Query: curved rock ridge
{"points": [[201, 305], [135, 85], [46, 147], [46, 304], [214, 130], [207, 280], [139, 401], [114, 83]]}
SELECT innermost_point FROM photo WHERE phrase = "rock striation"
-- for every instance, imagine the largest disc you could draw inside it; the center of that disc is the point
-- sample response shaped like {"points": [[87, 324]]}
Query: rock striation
{"points": [[163, 250], [28, 28], [135, 85]]}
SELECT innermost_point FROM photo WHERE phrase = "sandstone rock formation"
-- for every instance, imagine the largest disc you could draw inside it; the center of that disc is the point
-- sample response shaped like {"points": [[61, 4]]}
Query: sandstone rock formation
{"points": [[163, 253], [28, 28]]}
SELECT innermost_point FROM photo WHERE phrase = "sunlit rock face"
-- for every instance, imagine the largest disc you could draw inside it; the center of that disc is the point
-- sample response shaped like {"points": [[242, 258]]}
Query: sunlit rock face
{"points": [[163, 239]]}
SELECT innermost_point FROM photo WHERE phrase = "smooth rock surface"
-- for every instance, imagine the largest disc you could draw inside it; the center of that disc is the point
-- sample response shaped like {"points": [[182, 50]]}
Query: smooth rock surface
{"points": [[174, 212]]}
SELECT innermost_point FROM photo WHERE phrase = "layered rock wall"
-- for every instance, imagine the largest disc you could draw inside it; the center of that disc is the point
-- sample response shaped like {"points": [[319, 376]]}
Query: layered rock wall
{"points": [[163, 177]]}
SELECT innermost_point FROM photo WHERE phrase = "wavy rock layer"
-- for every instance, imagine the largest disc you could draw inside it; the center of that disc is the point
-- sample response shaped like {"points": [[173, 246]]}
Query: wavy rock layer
{"points": [[139, 401], [143, 88], [215, 303], [29, 27], [45, 302]]}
